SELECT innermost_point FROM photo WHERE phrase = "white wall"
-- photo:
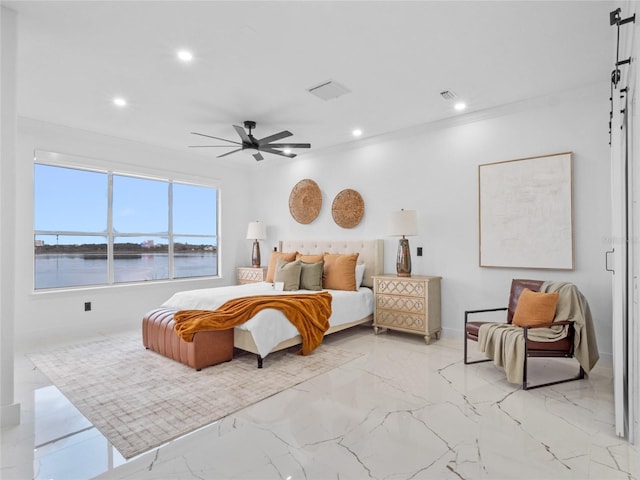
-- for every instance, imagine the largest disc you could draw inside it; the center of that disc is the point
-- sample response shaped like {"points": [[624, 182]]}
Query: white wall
{"points": [[45, 317], [9, 411], [433, 169]]}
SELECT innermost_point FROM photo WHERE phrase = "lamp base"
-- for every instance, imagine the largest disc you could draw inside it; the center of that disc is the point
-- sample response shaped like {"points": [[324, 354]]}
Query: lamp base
{"points": [[403, 262], [255, 254]]}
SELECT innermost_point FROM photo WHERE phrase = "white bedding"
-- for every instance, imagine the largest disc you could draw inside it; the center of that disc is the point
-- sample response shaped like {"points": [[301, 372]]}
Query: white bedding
{"points": [[269, 327]]}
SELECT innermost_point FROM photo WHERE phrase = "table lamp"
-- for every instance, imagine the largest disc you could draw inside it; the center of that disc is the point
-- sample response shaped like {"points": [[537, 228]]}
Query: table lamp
{"points": [[401, 224], [256, 231]]}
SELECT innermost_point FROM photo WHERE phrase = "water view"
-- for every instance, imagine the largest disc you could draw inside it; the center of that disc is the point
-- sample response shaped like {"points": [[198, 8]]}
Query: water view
{"points": [[84, 269]]}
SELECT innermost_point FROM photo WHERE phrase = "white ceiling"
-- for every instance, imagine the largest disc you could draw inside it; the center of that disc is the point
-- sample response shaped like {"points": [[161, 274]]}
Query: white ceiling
{"points": [[256, 61]]}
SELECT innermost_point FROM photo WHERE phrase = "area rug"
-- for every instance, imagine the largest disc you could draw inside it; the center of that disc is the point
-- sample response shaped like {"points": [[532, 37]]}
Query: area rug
{"points": [[139, 399]]}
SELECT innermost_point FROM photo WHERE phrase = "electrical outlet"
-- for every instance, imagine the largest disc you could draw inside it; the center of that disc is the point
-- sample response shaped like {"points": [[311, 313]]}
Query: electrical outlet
{"points": [[419, 253], [87, 306]]}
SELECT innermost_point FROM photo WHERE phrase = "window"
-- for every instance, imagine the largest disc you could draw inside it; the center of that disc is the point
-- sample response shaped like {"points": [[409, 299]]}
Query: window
{"points": [[101, 228]]}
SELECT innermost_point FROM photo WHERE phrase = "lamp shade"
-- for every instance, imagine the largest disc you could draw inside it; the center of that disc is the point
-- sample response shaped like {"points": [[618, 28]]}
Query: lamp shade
{"points": [[256, 231], [402, 223]]}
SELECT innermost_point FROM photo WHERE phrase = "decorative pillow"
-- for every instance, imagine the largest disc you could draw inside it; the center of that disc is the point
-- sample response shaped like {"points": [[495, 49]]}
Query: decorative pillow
{"points": [[288, 273], [271, 269], [535, 308], [310, 258], [311, 276], [340, 271], [359, 274]]}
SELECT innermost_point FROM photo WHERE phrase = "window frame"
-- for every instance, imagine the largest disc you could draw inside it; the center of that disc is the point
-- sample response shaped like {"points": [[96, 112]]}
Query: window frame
{"points": [[85, 164]]}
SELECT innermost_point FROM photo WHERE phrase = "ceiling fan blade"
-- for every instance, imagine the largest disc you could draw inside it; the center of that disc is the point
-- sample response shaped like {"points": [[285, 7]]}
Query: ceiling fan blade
{"points": [[289, 145], [243, 135], [274, 137], [258, 157], [229, 153], [277, 152], [217, 138]]}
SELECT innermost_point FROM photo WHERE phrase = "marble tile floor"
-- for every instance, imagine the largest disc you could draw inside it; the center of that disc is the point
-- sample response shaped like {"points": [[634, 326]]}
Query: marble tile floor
{"points": [[403, 410]]}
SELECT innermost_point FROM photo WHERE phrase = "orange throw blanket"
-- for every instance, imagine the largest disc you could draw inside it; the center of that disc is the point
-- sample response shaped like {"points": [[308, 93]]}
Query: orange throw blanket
{"points": [[309, 313]]}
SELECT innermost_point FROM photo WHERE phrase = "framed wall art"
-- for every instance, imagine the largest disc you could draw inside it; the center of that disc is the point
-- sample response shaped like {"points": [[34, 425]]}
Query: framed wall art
{"points": [[526, 213]]}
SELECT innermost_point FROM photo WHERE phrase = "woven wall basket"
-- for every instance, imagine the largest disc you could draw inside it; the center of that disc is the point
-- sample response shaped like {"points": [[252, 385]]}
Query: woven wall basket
{"points": [[347, 208], [305, 201]]}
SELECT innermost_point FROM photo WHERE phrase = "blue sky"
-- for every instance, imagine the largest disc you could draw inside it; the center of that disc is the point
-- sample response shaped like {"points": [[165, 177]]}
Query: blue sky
{"points": [[76, 201]]}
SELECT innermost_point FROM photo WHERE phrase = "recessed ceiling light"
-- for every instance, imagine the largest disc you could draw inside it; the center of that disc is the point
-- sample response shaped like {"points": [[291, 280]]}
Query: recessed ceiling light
{"points": [[357, 132], [287, 150], [120, 102], [185, 55], [460, 106]]}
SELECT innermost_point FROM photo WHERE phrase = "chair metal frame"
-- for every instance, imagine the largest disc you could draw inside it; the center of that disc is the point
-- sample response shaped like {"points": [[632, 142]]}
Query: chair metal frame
{"points": [[528, 353], [543, 354], [466, 320]]}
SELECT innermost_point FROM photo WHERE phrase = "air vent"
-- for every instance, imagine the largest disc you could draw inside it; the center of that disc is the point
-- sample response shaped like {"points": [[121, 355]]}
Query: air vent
{"points": [[329, 90], [448, 95]]}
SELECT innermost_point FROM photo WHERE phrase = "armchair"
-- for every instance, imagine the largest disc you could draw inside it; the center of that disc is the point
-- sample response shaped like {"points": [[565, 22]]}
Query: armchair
{"points": [[574, 307]]}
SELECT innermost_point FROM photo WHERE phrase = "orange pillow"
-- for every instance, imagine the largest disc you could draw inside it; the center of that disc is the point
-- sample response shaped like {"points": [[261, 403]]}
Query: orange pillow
{"points": [[340, 271], [310, 258], [271, 269], [535, 308]]}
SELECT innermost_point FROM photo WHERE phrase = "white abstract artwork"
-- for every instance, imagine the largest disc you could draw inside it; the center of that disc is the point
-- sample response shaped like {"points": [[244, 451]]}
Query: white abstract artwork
{"points": [[526, 213]]}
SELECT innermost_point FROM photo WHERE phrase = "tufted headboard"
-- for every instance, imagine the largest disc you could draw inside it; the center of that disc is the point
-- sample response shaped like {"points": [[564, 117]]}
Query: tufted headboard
{"points": [[371, 252]]}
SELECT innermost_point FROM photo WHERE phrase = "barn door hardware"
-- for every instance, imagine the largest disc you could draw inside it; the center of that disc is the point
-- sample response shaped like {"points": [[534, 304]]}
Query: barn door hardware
{"points": [[615, 19]]}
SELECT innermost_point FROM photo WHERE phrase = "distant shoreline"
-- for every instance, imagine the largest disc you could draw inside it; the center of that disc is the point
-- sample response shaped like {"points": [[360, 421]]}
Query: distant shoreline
{"points": [[117, 256], [124, 249]]}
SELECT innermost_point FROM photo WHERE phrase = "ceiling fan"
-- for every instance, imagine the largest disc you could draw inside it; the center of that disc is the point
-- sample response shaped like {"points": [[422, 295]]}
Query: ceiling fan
{"points": [[253, 145]]}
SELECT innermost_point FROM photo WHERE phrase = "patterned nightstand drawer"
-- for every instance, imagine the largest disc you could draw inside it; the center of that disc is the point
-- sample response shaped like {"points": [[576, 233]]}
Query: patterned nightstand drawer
{"points": [[250, 274], [401, 320], [401, 304], [392, 286]]}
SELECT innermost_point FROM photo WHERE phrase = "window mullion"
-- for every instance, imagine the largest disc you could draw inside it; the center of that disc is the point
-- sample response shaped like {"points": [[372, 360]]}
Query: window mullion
{"points": [[110, 248], [170, 222]]}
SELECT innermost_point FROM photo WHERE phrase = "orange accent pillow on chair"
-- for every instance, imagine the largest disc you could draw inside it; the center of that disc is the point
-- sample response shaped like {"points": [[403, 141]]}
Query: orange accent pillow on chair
{"points": [[535, 308]]}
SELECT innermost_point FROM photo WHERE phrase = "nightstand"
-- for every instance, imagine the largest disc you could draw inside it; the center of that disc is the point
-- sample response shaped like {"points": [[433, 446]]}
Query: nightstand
{"points": [[250, 274], [408, 304]]}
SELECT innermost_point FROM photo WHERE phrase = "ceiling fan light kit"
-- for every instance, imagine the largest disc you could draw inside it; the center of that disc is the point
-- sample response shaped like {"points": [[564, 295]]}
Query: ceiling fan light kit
{"points": [[254, 146]]}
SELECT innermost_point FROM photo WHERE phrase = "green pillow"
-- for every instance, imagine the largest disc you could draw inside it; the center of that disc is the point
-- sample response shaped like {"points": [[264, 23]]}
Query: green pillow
{"points": [[311, 276], [288, 273]]}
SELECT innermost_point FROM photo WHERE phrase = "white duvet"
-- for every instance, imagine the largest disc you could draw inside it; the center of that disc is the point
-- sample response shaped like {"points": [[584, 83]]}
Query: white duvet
{"points": [[269, 327]]}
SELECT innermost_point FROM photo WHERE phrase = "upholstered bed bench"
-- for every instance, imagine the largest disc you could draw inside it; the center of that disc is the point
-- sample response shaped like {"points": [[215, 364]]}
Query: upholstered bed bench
{"points": [[206, 349]]}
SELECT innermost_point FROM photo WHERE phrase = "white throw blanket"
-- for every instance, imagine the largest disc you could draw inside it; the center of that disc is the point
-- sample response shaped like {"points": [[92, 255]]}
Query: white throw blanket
{"points": [[504, 343]]}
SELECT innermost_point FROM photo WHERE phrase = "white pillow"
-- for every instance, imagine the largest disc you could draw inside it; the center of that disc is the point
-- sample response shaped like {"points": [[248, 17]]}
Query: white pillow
{"points": [[359, 274]]}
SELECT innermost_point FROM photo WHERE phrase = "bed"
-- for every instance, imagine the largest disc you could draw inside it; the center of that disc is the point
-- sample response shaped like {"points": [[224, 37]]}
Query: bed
{"points": [[269, 330]]}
